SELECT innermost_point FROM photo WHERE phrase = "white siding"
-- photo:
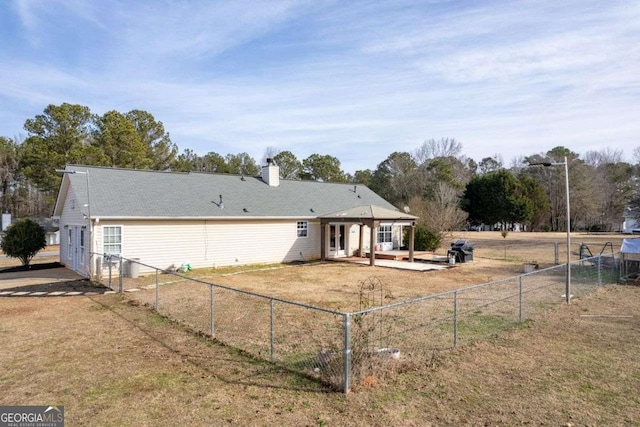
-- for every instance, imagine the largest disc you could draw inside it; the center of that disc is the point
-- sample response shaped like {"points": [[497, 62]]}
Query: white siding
{"points": [[398, 240], [71, 216], [630, 224], [354, 237], [53, 238], [213, 243]]}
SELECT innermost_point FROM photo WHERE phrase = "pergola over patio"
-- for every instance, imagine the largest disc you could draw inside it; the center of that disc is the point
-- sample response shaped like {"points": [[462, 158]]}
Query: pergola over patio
{"points": [[371, 216]]}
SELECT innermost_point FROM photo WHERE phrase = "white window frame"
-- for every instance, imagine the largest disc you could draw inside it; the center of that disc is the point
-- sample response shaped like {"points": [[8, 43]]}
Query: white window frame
{"points": [[385, 231], [69, 243], [83, 235], [104, 234], [302, 229]]}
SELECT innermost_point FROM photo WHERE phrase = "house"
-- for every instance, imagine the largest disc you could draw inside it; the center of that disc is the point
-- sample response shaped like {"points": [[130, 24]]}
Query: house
{"points": [[5, 222], [631, 224], [50, 226], [209, 220]]}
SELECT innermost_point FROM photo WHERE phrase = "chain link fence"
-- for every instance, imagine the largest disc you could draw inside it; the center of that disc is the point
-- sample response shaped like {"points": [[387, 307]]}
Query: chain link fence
{"points": [[341, 348], [630, 268], [541, 252]]}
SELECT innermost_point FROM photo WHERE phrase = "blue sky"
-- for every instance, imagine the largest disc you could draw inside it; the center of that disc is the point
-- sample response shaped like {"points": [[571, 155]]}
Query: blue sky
{"points": [[354, 79]]}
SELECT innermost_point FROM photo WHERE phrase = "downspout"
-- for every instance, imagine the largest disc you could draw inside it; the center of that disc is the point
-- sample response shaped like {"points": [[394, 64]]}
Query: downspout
{"points": [[90, 257], [91, 251]]}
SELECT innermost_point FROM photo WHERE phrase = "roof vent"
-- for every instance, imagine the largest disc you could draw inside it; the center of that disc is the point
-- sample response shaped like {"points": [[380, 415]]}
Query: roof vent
{"points": [[220, 204]]}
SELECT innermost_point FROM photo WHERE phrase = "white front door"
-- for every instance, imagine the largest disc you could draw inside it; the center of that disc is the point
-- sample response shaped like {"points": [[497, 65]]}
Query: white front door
{"points": [[337, 240], [385, 237], [77, 249]]}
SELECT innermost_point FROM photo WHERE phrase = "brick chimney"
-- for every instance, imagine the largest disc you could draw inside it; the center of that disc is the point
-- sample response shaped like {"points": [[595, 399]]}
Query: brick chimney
{"points": [[271, 173]]}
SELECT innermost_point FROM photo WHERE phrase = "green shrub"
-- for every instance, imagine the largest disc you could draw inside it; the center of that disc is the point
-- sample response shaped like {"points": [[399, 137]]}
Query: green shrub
{"points": [[425, 239], [23, 240]]}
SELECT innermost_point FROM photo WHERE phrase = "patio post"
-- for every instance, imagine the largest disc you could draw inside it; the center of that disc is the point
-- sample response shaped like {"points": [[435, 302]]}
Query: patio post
{"points": [[372, 243], [412, 239], [323, 241], [361, 247]]}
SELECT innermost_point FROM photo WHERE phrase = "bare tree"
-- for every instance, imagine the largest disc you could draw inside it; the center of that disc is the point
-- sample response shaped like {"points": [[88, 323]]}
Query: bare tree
{"points": [[444, 147], [517, 164], [9, 159], [441, 212], [269, 153], [636, 155], [602, 157]]}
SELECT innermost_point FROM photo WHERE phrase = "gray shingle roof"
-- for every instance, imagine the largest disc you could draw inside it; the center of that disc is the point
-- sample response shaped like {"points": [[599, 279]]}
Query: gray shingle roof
{"points": [[127, 193], [370, 212]]}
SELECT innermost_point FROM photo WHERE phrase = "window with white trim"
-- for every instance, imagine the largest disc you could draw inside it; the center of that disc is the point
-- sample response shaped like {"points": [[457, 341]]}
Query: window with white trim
{"points": [[385, 234], [303, 228], [82, 236], [112, 239], [69, 243]]}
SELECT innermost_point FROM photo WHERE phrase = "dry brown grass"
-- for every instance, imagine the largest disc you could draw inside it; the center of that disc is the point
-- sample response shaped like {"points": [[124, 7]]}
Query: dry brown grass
{"points": [[336, 285], [243, 321], [111, 362]]}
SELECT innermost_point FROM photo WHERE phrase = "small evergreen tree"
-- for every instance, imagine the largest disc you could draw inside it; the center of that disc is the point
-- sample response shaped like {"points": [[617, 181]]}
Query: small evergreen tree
{"points": [[425, 239], [23, 240]]}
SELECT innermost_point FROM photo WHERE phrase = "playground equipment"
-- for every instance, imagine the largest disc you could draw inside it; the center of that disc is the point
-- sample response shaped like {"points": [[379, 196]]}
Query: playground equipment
{"points": [[585, 252]]}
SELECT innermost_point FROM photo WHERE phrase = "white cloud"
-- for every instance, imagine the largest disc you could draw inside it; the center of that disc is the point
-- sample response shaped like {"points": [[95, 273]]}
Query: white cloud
{"points": [[355, 80]]}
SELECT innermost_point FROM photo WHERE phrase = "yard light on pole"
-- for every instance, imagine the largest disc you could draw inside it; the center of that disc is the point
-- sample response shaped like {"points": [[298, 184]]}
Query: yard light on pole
{"points": [[85, 173], [566, 183]]}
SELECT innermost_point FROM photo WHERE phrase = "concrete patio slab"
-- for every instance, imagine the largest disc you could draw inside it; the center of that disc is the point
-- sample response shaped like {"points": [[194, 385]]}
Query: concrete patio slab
{"points": [[37, 277], [404, 265]]}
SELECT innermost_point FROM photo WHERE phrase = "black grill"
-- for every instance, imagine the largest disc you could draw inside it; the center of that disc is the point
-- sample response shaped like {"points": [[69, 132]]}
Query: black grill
{"points": [[461, 250]]}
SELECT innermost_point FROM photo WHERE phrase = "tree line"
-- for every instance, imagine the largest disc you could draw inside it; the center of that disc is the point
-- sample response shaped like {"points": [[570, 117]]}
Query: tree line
{"points": [[449, 191], [436, 181]]}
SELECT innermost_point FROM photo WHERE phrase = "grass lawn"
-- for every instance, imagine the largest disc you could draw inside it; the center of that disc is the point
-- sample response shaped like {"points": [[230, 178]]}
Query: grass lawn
{"points": [[114, 363], [111, 361]]}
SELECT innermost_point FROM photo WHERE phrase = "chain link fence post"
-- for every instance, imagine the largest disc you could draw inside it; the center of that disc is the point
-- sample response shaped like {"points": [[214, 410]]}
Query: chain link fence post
{"points": [[455, 318], [212, 320], [120, 277], [272, 332], [600, 270], [110, 268], [520, 299], [157, 292], [346, 358], [555, 253]]}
